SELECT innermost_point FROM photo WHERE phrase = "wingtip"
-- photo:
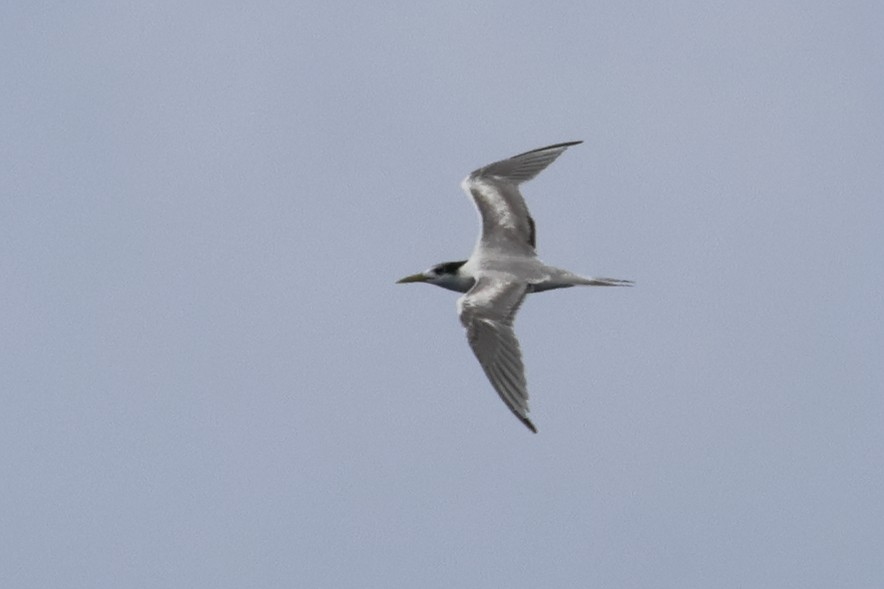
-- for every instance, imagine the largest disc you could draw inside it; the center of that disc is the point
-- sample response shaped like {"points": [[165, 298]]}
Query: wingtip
{"points": [[564, 144], [528, 424], [553, 146]]}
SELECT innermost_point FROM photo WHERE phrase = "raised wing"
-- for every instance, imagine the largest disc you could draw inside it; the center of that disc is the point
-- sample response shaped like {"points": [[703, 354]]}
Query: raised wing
{"points": [[506, 222], [487, 312]]}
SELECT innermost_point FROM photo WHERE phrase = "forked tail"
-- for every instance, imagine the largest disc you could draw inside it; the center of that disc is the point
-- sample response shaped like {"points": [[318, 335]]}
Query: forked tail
{"points": [[606, 282], [565, 279]]}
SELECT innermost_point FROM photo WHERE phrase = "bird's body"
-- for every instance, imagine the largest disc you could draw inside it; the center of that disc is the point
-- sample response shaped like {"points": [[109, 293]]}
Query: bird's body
{"points": [[502, 270]]}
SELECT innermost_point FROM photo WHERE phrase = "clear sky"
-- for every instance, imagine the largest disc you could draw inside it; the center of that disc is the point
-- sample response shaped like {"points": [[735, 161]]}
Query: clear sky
{"points": [[209, 378]]}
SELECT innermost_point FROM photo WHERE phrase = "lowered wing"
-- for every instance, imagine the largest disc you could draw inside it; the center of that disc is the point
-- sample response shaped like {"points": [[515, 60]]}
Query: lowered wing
{"points": [[487, 312]]}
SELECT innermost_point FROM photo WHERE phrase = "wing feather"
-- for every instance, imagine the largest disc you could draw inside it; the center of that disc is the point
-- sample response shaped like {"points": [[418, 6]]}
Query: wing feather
{"points": [[487, 312], [506, 222]]}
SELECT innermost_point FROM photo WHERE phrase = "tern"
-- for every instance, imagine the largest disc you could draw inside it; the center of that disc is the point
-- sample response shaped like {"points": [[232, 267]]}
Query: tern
{"points": [[502, 270]]}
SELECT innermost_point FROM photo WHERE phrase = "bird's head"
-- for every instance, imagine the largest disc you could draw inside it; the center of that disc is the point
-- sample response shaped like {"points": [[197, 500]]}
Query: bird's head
{"points": [[447, 275]]}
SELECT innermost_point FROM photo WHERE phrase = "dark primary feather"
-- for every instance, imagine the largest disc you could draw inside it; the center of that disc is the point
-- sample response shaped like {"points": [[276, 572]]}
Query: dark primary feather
{"points": [[525, 166]]}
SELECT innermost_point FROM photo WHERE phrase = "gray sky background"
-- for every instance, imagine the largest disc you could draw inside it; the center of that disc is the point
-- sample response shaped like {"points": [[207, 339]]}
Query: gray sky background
{"points": [[209, 378]]}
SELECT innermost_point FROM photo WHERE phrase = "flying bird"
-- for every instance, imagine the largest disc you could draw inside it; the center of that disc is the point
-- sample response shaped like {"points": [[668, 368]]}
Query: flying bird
{"points": [[502, 270]]}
